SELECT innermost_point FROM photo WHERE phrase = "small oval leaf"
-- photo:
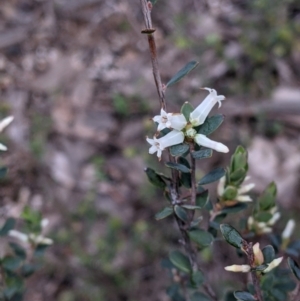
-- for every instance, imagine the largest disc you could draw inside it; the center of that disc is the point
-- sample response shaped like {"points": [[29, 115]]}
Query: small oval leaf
{"points": [[232, 236], [179, 167], [294, 267], [180, 261], [211, 124], [244, 296], [182, 73], [201, 237], [202, 198], [163, 213], [155, 178], [212, 176], [191, 207], [269, 253], [9, 225], [186, 110], [179, 149], [3, 171], [181, 213], [202, 154]]}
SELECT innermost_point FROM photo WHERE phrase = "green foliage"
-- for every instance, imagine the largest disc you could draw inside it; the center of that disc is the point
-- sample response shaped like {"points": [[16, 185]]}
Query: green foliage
{"points": [[164, 213], [210, 124], [244, 296], [182, 73], [201, 237], [232, 236], [3, 172], [267, 200], [269, 253], [238, 167], [212, 176], [186, 110], [180, 261], [155, 178], [202, 154], [294, 268], [8, 225], [179, 167], [181, 213], [179, 149]]}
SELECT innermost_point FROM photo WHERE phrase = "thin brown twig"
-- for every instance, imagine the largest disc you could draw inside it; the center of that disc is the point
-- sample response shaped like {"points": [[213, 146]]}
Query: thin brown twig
{"points": [[248, 248]]}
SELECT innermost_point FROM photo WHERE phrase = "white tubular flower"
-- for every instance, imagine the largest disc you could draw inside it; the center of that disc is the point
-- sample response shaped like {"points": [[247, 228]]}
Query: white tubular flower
{"points": [[244, 268], [258, 255], [163, 120], [158, 145], [244, 189], [289, 229], [198, 116], [274, 219], [221, 186], [19, 235], [3, 147], [178, 121], [273, 264], [5, 122], [39, 239], [202, 140], [243, 198]]}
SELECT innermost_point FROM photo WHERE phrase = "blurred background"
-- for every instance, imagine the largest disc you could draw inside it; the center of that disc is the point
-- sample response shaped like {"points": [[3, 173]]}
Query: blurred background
{"points": [[77, 77]]}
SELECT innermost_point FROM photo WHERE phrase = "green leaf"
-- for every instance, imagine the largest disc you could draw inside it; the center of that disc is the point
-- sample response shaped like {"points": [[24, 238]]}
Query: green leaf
{"points": [[267, 199], [179, 149], [199, 297], [263, 216], [186, 110], [3, 171], [196, 222], [186, 180], [212, 176], [181, 213], [182, 73], [211, 124], [9, 225], [18, 250], [180, 261], [261, 267], [202, 154], [294, 268], [155, 178], [202, 198], [164, 213], [184, 161], [238, 176], [244, 296], [191, 207], [201, 237], [197, 278], [232, 236], [230, 193], [11, 263], [179, 167], [28, 269], [269, 253], [174, 293], [233, 209], [153, 1]]}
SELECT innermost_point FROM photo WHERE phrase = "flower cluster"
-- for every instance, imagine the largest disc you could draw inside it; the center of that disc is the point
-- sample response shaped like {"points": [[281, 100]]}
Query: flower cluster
{"points": [[3, 124], [264, 227], [183, 128], [236, 194], [258, 261]]}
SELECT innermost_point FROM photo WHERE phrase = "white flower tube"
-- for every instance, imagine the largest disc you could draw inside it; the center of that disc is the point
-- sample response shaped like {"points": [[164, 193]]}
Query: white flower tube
{"points": [[3, 147], [289, 228], [5, 122], [198, 116], [158, 145], [178, 121], [244, 268], [202, 140], [276, 262]]}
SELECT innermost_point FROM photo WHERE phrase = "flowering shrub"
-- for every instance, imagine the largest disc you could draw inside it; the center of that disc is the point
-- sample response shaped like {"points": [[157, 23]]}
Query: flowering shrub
{"points": [[20, 251], [184, 135]]}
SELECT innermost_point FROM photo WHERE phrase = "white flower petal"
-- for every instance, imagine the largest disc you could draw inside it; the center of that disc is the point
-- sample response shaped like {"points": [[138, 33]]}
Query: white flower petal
{"points": [[5, 122], [204, 141], [244, 198], [246, 188], [163, 120], [289, 229], [19, 235], [274, 219], [221, 186], [3, 147], [172, 138], [198, 116], [178, 121], [244, 268], [276, 262]]}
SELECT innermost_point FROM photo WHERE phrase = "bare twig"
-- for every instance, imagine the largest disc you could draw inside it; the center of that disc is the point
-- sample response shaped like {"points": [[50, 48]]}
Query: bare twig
{"points": [[146, 7]]}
